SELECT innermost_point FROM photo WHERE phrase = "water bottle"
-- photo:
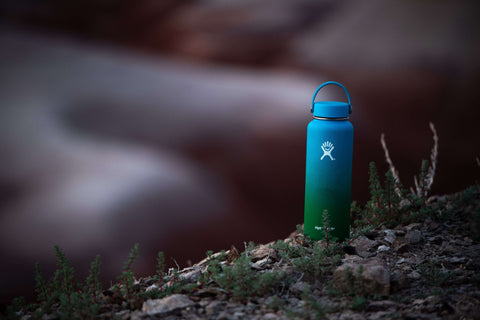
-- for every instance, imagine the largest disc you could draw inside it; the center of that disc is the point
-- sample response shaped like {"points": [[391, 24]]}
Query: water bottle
{"points": [[328, 177]]}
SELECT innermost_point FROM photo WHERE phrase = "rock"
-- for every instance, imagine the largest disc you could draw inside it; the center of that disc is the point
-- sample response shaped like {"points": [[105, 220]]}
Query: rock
{"points": [[232, 254], [239, 315], [403, 248], [398, 281], [389, 236], [365, 247], [261, 264], [190, 274], [262, 252], [298, 287], [414, 275], [167, 304], [136, 315], [349, 315], [224, 315], [381, 305], [414, 236], [413, 226], [124, 315], [212, 308], [383, 248], [374, 279], [457, 260], [270, 316], [352, 259]]}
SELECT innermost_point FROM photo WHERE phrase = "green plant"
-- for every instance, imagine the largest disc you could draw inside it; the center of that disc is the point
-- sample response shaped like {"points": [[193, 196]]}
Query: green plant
{"points": [[14, 310], [65, 297], [127, 278], [312, 308], [276, 303], [433, 276], [92, 283], [384, 204], [240, 280], [359, 303]]}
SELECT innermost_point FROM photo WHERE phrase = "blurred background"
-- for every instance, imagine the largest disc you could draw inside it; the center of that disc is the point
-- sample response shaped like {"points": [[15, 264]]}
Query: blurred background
{"points": [[181, 125]]}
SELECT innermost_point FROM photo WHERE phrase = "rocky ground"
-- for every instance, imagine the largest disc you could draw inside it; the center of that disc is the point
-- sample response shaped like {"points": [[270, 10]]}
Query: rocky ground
{"points": [[423, 269]]}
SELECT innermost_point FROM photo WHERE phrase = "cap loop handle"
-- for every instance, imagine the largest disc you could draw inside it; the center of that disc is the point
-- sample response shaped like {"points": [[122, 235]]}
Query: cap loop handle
{"points": [[338, 84]]}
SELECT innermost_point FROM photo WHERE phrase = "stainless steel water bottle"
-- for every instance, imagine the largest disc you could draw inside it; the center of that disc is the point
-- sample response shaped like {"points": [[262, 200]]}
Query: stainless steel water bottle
{"points": [[328, 177]]}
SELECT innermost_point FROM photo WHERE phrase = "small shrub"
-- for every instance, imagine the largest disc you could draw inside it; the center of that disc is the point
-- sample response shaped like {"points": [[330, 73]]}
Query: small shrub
{"points": [[65, 297], [241, 281], [433, 276], [127, 278]]}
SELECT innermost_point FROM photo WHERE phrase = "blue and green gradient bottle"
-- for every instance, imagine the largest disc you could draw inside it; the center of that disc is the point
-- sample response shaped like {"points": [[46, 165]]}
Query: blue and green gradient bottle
{"points": [[328, 178]]}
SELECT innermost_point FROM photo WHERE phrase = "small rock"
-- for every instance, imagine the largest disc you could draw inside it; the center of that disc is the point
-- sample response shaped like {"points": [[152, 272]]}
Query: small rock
{"points": [[402, 248], [398, 281], [269, 316], [298, 287], [136, 315], [224, 315], [232, 254], [457, 260], [167, 304], [414, 275], [261, 264], [350, 315], [389, 236], [212, 307], [413, 226], [376, 278], [380, 305], [190, 274], [414, 236], [352, 259], [383, 248], [124, 314], [371, 234], [365, 247], [263, 251], [152, 287], [400, 261], [379, 315]]}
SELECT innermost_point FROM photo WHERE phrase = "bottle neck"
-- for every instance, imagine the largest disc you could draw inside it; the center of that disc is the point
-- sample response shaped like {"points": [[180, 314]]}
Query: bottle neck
{"points": [[331, 119]]}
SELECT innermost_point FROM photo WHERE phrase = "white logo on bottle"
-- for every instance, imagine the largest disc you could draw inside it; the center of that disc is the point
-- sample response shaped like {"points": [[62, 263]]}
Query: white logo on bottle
{"points": [[322, 228], [327, 148]]}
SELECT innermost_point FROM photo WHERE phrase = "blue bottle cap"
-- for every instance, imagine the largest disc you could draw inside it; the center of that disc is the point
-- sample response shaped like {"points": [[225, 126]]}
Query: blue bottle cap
{"points": [[331, 109]]}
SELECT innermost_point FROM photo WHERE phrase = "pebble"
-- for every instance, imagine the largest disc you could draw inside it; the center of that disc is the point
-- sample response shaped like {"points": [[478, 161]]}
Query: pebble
{"points": [[389, 236], [383, 248], [365, 247], [298, 287], [212, 307], [270, 316], [456, 259], [167, 304], [375, 278], [414, 236], [224, 315]]}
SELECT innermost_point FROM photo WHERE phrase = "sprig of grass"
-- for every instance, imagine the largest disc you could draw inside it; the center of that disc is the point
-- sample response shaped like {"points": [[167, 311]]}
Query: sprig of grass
{"points": [[127, 278]]}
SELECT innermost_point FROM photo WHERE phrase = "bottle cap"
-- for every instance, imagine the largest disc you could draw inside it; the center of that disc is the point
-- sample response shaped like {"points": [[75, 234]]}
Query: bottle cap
{"points": [[331, 109]]}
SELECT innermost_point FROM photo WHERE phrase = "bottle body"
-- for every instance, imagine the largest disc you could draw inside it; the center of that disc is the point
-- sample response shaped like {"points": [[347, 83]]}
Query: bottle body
{"points": [[328, 179]]}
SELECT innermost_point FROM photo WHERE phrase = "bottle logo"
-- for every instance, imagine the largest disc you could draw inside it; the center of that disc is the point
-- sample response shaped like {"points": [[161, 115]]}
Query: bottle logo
{"points": [[327, 148], [323, 228]]}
